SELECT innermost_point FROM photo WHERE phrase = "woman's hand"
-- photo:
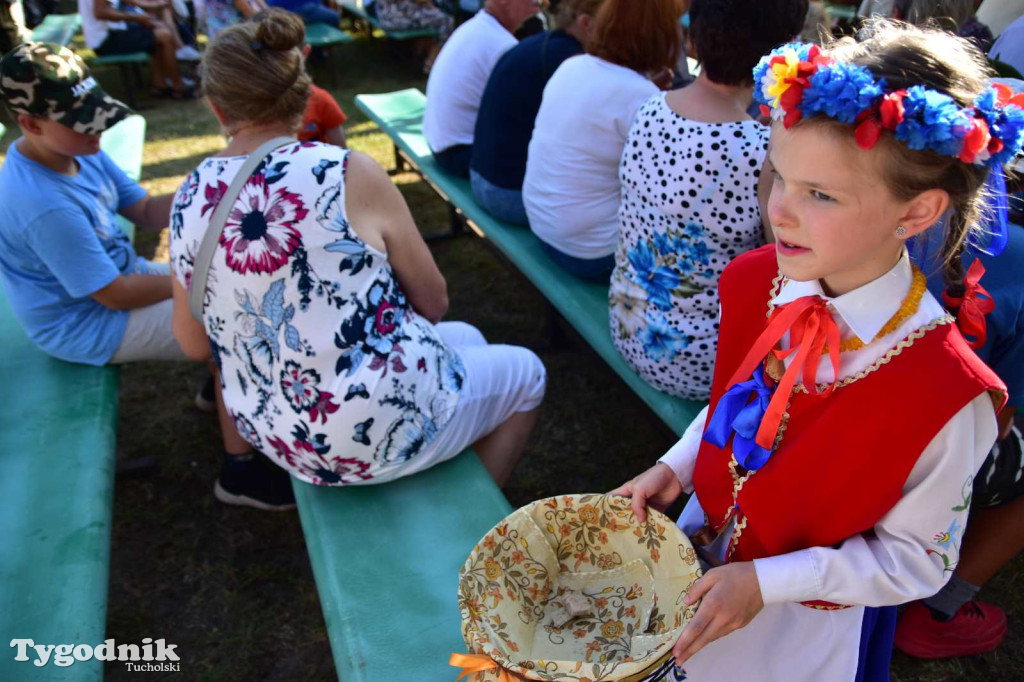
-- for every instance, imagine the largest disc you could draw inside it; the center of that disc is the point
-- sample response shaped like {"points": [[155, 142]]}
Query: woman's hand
{"points": [[658, 487], [731, 597]]}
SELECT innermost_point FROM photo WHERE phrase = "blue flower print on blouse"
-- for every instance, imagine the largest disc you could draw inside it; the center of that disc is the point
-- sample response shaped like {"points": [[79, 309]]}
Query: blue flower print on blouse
{"points": [[662, 342]]}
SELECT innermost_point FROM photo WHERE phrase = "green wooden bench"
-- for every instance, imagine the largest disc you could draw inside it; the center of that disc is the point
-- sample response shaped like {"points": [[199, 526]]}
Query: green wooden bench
{"points": [[841, 11], [327, 37], [356, 10], [583, 304], [57, 459], [386, 561], [57, 28], [130, 65]]}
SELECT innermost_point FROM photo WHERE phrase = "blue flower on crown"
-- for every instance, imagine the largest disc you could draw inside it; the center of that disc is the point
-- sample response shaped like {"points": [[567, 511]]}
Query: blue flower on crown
{"points": [[932, 120], [841, 91], [1004, 122]]}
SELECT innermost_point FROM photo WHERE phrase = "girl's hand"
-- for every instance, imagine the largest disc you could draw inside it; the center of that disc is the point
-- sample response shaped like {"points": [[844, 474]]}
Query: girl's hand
{"points": [[731, 598], [658, 487]]}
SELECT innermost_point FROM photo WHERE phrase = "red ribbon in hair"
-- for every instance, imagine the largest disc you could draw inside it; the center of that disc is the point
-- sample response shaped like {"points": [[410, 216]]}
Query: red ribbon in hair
{"points": [[811, 328], [974, 305]]}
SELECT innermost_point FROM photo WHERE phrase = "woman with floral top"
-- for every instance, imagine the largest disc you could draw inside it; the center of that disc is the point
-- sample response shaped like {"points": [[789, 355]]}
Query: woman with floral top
{"points": [[323, 301], [692, 190]]}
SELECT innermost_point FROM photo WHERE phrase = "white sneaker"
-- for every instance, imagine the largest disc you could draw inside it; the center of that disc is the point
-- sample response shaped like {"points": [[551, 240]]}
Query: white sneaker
{"points": [[187, 82], [188, 54]]}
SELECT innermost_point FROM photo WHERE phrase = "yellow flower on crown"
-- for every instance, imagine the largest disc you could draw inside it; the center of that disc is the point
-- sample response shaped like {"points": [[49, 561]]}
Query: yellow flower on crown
{"points": [[776, 82]]}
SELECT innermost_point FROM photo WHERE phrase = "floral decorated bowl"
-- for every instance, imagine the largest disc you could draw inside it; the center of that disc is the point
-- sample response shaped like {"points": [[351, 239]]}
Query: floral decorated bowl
{"points": [[573, 588]]}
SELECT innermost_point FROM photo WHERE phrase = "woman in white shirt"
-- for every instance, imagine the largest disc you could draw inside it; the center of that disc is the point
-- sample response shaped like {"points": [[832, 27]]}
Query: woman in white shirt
{"points": [[571, 189]]}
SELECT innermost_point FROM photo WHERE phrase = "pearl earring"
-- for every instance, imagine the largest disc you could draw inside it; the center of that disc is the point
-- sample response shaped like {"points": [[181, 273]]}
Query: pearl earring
{"points": [[901, 232]]}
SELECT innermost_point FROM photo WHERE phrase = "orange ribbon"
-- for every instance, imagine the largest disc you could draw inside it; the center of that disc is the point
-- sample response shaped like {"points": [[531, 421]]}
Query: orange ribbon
{"points": [[974, 305], [477, 663], [811, 328]]}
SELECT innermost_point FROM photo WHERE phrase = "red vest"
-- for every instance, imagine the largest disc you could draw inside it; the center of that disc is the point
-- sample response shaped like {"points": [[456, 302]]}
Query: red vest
{"points": [[843, 460]]}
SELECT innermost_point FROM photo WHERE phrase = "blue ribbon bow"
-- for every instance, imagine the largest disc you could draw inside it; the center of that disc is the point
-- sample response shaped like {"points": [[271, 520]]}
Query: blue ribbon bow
{"points": [[736, 412]]}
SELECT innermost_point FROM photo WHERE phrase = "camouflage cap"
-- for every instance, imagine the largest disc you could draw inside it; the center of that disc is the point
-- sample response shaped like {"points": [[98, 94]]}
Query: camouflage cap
{"points": [[51, 81]]}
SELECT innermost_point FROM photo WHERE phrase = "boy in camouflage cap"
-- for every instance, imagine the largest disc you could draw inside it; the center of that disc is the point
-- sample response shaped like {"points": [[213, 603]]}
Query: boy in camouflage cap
{"points": [[70, 273]]}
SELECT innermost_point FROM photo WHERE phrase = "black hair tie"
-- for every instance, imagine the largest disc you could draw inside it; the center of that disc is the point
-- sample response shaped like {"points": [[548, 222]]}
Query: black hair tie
{"points": [[256, 46]]}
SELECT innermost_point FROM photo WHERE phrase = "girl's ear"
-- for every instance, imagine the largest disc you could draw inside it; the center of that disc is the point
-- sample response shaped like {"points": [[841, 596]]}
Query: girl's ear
{"points": [[924, 210]]}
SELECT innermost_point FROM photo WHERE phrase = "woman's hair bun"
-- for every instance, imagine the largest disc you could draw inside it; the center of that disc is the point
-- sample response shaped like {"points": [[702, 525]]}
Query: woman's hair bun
{"points": [[278, 29]]}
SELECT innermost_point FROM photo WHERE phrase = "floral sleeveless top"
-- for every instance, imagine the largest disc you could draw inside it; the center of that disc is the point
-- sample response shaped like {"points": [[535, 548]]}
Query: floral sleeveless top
{"points": [[325, 366]]}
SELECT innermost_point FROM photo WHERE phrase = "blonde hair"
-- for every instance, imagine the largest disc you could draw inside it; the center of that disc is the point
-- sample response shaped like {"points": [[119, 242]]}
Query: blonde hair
{"points": [[254, 71]]}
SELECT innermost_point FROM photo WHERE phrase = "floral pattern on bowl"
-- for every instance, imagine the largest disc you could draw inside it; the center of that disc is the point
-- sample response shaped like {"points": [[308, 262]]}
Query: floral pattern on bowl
{"points": [[635, 576]]}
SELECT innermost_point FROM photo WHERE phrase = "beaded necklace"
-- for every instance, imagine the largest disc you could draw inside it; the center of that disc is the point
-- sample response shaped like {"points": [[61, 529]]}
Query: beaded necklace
{"points": [[907, 308], [775, 368]]}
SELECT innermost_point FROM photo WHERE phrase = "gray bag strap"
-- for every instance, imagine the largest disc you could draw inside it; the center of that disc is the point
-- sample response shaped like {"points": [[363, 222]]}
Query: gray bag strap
{"points": [[201, 267]]}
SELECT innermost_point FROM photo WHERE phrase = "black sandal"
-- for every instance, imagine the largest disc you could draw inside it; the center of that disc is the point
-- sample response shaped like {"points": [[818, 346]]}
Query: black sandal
{"points": [[188, 93]]}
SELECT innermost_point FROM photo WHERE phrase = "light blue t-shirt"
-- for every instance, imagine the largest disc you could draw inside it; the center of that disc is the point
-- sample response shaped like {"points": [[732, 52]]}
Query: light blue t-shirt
{"points": [[59, 243]]}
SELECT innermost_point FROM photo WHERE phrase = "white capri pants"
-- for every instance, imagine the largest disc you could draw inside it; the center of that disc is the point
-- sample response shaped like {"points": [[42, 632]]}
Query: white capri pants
{"points": [[500, 381]]}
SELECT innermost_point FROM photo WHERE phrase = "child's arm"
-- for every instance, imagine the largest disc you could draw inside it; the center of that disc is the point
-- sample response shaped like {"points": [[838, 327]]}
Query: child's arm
{"points": [[336, 136], [67, 244], [128, 292], [909, 554], [150, 213], [913, 550], [663, 483]]}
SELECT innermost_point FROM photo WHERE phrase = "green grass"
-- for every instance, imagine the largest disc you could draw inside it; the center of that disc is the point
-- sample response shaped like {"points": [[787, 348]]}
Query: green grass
{"points": [[233, 587]]}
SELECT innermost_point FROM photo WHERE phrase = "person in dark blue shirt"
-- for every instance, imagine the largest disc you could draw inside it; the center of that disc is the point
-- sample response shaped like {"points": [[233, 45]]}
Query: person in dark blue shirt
{"points": [[510, 104]]}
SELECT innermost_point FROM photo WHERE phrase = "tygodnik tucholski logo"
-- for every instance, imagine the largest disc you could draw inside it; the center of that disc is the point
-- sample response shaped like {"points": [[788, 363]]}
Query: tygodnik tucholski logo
{"points": [[149, 656]]}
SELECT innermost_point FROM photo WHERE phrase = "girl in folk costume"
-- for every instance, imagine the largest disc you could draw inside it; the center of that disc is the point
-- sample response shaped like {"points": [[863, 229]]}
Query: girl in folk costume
{"points": [[833, 468]]}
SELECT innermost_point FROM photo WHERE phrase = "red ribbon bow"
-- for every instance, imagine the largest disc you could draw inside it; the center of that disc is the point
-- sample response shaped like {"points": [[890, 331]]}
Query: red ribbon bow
{"points": [[811, 328], [974, 305]]}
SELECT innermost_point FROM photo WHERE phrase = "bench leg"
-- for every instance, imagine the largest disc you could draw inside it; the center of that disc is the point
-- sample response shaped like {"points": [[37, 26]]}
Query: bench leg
{"points": [[127, 84], [457, 226], [400, 165]]}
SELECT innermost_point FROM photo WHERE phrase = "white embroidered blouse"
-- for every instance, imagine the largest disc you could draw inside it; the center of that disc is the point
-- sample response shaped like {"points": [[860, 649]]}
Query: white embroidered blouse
{"points": [[913, 549]]}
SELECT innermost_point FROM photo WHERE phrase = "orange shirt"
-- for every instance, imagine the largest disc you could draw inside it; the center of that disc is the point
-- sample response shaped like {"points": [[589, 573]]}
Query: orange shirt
{"points": [[322, 114]]}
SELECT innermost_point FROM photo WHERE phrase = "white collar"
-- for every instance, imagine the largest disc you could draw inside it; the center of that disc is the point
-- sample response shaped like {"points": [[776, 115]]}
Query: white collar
{"points": [[867, 308]]}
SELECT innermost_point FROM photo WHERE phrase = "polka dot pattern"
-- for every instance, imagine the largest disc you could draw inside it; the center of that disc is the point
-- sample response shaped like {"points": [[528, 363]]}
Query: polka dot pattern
{"points": [[679, 176]]}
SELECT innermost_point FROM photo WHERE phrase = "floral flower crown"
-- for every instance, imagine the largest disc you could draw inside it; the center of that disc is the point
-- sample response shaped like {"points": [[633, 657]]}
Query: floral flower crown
{"points": [[799, 80]]}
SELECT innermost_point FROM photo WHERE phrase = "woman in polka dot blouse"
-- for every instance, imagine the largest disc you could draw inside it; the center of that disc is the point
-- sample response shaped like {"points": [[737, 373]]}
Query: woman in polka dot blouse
{"points": [[692, 196]]}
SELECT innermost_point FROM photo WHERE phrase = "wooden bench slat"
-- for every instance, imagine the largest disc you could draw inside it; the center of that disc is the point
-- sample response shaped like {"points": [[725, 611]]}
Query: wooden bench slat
{"points": [[583, 304], [127, 58], [57, 28], [57, 460], [386, 559], [321, 35]]}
